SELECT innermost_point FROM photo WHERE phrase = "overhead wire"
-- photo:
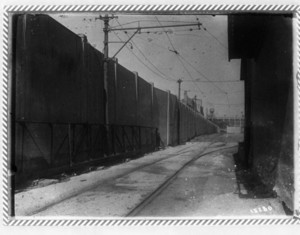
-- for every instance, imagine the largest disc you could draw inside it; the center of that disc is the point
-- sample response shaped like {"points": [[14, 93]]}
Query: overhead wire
{"points": [[175, 32], [240, 104], [180, 57], [203, 75], [165, 48], [191, 77], [189, 30], [165, 76], [214, 81], [166, 21], [153, 71], [205, 29], [213, 36], [176, 53], [158, 45], [166, 34], [169, 31], [208, 80], [146, 57]]}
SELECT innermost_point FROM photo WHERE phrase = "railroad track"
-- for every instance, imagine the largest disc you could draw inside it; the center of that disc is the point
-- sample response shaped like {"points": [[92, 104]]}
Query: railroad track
{"points": [[166, 157], [135, 211]]}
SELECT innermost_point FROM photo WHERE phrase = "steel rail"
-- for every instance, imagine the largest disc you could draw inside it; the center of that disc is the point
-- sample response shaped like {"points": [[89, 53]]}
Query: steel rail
{"points": [[167, 156], [167, 182]]}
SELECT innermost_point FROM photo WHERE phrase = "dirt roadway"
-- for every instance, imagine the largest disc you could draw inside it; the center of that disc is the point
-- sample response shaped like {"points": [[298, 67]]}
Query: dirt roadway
{"points": [[201, 181]]}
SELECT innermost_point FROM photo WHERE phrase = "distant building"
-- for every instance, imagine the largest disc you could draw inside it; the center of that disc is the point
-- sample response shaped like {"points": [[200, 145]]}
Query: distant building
{"points": [[188, 101], [194, 103]]}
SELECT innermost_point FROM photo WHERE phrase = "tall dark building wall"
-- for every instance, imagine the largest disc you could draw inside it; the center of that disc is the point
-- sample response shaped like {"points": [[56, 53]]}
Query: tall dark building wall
{"points": [[267, 68]]}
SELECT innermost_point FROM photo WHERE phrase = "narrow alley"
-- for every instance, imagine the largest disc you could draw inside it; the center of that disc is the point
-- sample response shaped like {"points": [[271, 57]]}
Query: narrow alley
{"points": [[176, 115]]}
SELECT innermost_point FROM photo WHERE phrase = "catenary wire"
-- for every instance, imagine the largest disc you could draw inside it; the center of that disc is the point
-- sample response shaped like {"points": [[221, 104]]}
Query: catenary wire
{"points": [[174, 50], [153, 71], [147, 58]]}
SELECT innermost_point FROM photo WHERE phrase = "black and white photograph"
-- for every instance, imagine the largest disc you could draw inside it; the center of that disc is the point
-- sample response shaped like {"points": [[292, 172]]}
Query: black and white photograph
{"points": [[158, 114]]}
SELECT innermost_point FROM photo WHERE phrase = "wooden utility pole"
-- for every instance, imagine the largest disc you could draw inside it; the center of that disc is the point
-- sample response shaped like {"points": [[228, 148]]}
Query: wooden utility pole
{"points": [[179, 88], [178, 111], [106, 20]]}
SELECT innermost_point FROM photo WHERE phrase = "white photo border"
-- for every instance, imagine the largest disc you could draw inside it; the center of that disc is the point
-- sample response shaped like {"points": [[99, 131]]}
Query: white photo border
{"points": [[144, 9]]}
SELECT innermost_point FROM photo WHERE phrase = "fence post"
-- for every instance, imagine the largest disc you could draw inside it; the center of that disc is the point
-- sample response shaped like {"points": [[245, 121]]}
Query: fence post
{"points": [[168, 117], [152, 104], [153, 135], [83, 82], [136, 77], [71, 143], [116, 90], [178, 122], [51, 145]]}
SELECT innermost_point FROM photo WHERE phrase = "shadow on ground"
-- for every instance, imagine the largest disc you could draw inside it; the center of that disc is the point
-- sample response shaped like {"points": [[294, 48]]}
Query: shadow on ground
{"points": [[249, 184]]}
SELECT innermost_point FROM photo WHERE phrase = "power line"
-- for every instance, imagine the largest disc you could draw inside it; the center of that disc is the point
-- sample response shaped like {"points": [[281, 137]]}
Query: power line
{"points": [[166, 31], [175, 33], [205, 29], [186, 34], [165, 21], [203, 75], [153, 43], [166, 78], [229, 104], [199, 36], [176, 52], [212, 35], [158, 45], [148, 59], [166, 34], [155, 27], [191, 76], [170, 32], [193, 80], [214, 81], [189, 30]]}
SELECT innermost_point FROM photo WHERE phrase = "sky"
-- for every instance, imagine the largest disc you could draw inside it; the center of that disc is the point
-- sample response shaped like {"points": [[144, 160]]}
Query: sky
{"points": [[198, 56]]}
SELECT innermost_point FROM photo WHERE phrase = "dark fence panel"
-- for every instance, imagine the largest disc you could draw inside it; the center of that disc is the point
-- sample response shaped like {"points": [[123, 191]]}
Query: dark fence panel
{"points": [[173, 120], [112, 92], [93, 75], [49, 83], [126, 97], [183, 121], [59, 97], [144, 103], [160, 113], [60, 103]]}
